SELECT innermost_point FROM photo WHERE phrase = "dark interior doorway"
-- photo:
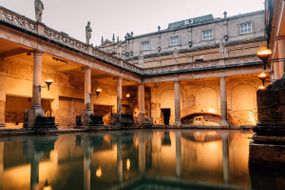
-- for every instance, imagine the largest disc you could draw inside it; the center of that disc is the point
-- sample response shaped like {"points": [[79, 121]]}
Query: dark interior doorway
{"points": [[166, 115]]}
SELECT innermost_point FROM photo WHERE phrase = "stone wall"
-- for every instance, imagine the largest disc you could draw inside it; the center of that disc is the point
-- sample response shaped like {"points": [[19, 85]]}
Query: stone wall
{"points": [[65, 96], [203, 96]]}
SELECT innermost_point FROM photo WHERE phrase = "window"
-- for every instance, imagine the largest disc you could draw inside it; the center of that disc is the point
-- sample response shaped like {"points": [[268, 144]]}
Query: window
{"points": [[174, 41], [245, 27], [145, 46], [207, 35]]}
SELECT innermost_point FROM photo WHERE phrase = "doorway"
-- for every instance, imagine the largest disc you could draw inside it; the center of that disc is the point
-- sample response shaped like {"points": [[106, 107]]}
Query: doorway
{"points": [[166, 115]]}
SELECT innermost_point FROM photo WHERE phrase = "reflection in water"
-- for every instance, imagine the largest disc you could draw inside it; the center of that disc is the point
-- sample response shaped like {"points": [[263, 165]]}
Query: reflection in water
{"points": [[137, 159]]}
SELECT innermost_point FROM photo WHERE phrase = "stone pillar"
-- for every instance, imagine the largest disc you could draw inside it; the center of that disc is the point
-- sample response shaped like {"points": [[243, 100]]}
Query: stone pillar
{"points": [[2, 101], [223, 100], [36, 97], [178, 154], [281, 54], [177, 102], [141, 154], [226, 164], [87, 97], [119, 95], [87, 89], [141, 103]]}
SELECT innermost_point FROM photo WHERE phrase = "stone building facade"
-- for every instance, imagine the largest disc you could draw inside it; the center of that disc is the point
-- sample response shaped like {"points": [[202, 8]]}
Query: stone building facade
{"points": [[200, 43], [201, 71]]}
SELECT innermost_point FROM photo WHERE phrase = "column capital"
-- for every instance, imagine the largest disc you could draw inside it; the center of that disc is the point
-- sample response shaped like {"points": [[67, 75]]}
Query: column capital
{"points": [[36, 51], [84, 68]]}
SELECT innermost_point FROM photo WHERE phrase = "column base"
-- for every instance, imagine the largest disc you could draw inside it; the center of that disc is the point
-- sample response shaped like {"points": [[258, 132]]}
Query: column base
{"points": [[224, 123], [2, 125], [31, 115], [86, 118], [177, 124]]}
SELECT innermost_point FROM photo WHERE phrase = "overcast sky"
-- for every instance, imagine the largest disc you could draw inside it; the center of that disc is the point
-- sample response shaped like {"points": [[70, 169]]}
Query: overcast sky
{"points": [[122, 16]]}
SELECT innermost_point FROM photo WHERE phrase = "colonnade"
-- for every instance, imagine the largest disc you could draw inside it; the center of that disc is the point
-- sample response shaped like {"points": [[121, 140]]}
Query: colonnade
{"points": [[36, 97]]}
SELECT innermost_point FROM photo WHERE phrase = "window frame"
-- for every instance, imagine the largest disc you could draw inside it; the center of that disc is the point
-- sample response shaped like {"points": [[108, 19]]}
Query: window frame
{"points": [[242, 30], [143, 45], [212, 35], [171, 40]]}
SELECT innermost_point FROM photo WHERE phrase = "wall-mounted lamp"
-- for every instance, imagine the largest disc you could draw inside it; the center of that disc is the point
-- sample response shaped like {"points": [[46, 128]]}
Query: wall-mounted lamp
{"points": [[48, 82], [98, 91], [128, 95], [47, 186], [263, 77], [264, 53]]}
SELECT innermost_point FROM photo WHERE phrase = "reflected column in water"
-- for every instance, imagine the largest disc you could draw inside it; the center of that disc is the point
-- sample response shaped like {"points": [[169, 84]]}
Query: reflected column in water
{"points": [[142, 154], [119, 162], [225, 144], [1, 164], [178, 154], [35, 171], [86, 167]]}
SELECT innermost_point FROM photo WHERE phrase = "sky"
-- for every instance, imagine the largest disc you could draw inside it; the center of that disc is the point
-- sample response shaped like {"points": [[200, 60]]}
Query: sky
{"points": [[122, 16]]}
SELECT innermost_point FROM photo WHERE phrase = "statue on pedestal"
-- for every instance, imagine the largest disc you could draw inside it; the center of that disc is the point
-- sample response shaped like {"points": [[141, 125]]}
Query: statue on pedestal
{"points": [[39, 7], [88, 31]]}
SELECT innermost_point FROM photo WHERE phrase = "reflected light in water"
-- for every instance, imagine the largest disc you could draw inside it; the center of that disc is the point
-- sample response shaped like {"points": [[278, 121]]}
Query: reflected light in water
{"points": [[47, 186], [99, 172], [128, 164]]}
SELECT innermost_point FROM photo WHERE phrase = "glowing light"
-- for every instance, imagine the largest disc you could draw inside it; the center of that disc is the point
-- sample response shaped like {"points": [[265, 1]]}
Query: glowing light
{"points": [[262, 76], [261, 88], [128, 95], [98, 90], [211, 110], [264, 53], [99, 172], [128, 164]]}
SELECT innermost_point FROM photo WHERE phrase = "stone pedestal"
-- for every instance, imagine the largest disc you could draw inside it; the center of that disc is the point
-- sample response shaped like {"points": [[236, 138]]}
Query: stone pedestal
{"points": [[177, 103], [223, 100], [268, 145]]}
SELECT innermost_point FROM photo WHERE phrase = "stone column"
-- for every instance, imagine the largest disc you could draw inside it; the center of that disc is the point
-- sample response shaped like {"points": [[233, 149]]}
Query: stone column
{"points": [[2, 101], [87, 89], [87, 97], [119, 95], [36, 97], [141, 103], [281, 54], [178, 154], [223, 100], [225, 144], [177, 102]]}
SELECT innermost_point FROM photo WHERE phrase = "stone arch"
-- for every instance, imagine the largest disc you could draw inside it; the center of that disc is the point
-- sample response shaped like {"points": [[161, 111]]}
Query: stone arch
{"points": [[243, 105], [206, 100]]}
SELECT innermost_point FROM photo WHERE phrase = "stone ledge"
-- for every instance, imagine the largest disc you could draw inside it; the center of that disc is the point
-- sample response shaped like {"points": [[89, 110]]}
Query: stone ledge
{"points": [[266, 154]]}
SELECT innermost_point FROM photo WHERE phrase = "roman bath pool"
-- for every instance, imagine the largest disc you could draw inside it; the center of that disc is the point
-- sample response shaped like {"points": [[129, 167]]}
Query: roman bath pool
{"points": [[142, 159]]}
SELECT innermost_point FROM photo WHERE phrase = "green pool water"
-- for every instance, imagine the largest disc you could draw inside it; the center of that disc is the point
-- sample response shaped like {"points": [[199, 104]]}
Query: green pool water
{"points": [[142, 159]]}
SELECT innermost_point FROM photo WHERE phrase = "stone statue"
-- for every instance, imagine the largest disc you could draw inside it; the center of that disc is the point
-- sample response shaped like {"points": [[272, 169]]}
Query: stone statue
{"points": [[39, 7], [88, 31]]}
